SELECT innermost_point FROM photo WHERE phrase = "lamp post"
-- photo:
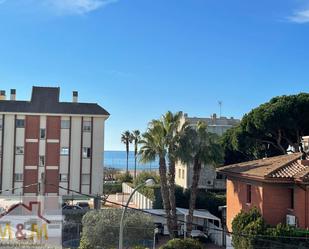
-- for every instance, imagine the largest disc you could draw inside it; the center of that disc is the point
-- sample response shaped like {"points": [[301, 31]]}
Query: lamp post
{"points": [[148, 182]]}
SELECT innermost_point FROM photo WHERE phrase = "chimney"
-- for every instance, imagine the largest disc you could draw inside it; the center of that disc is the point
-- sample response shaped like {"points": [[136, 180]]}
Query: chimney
{"points": [[2, 95], [75, 96], [13, 94]]}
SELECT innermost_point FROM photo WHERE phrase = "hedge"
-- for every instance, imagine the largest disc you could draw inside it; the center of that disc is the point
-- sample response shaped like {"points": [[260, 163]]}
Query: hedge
{"points": [[205, 200], [112, 188]]}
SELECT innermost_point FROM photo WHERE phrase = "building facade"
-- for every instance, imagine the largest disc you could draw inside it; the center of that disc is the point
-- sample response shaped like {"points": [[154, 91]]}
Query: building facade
{"points": [[52, 143], [209, 178], [277, 186]]}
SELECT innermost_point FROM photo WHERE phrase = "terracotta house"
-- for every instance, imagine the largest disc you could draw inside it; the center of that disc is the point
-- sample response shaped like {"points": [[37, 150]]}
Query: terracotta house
{"points": [[277, 186]]}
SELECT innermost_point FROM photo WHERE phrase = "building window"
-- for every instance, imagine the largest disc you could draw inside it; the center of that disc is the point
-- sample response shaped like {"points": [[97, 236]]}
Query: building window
{"points": [[20, 123], [18, 177], [19, 150], [0, 151], [64, 151], [85, 179], [1, 123], [183, 174], [42, 161], [65, 124], [249, 193], [86, 152], [42, 133], [179, 173], [63, 177], [292, 198], [87, 126]]}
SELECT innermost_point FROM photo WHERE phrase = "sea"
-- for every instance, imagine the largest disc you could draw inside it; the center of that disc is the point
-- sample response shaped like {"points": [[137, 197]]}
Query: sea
{"points": [[118, 160]]}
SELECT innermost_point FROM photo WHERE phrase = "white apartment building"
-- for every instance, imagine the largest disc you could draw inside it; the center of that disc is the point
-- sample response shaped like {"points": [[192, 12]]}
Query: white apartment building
{"points": [[209, 179], [60, 143]]}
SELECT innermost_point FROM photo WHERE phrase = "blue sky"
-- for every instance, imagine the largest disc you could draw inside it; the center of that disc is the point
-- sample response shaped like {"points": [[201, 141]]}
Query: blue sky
{"points": [[140, 58]]}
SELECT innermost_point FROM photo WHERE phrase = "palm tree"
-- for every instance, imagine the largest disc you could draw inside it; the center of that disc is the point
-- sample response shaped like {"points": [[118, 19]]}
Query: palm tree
{"points": [[174, 132], [126, 138], [162, 140], [199, 148], [136, 134], [153, 146]]}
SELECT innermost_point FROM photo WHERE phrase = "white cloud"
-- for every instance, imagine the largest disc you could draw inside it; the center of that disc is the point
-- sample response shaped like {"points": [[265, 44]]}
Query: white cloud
{"points": [[77, 6], [301, 16], [65, 6]]}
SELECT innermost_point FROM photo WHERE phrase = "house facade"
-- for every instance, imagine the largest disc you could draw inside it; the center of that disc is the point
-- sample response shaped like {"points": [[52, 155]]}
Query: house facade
{"points": [[277, 186], [209, 178], [47, 141]]}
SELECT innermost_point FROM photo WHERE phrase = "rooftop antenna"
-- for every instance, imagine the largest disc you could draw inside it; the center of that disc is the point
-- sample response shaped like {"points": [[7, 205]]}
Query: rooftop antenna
{"points": [[220, 105]]}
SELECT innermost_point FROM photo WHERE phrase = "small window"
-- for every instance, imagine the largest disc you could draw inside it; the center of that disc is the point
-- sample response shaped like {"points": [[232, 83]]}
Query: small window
{"points": [[63, 177], [18, 177], [19, 150], [42, 133], [179, 173], [64, 151], [85, 179], [86, 152], [65, 124], [249, 193], [292, 198], [1, 123], [87, 126], [20, 123], [183, 174], [0, 151], [42, 161]]}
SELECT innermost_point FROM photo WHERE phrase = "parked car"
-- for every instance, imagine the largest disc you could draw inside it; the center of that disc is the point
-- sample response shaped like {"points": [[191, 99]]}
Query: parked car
{"points": [[198, 234], [83, 205], [71, 207]]}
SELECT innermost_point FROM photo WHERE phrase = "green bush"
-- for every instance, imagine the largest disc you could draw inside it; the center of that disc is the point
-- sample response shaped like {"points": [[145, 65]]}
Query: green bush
{"points": [[124, 177], [245, 226], [251, 232], [182, 244], [143, 176], [101, 228], [205, 200], [112, 188]]}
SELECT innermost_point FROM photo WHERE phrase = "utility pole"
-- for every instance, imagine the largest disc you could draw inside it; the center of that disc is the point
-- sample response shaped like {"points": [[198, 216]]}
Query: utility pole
{"points": [[97, 202]]}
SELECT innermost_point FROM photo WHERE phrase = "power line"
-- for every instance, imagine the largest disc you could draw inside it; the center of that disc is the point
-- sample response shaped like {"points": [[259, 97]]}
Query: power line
{"points": [[159, 215], [22, 187], [179, 220]]}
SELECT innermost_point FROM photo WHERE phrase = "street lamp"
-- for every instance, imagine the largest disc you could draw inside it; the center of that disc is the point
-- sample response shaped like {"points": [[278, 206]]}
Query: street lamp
{"points": [[148, 182]]}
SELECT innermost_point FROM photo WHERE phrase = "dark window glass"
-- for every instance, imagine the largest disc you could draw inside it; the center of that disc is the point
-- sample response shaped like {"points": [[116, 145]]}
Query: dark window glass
{"points": [[20, 123], [292, 198], [248, 193], [42, 133]]}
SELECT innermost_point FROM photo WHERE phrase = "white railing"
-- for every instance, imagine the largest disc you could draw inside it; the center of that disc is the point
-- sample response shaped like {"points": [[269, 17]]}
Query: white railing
{"points": [[139, 200]]}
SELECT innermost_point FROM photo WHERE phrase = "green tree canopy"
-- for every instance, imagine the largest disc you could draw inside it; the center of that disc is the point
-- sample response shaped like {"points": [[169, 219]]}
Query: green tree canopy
{"points": [[101, 228], [269, 129]]}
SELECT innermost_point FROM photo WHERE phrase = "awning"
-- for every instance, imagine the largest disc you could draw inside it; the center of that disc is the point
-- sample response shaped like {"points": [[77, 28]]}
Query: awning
{"points": [[204, 214]]}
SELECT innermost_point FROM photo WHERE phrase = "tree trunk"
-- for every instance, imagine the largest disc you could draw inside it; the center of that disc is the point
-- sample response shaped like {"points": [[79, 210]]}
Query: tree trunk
{"points": [[165, 194], [172, 197], [135, 158], [279, 139], [127, 147], [135, 166], [193, 193]]}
